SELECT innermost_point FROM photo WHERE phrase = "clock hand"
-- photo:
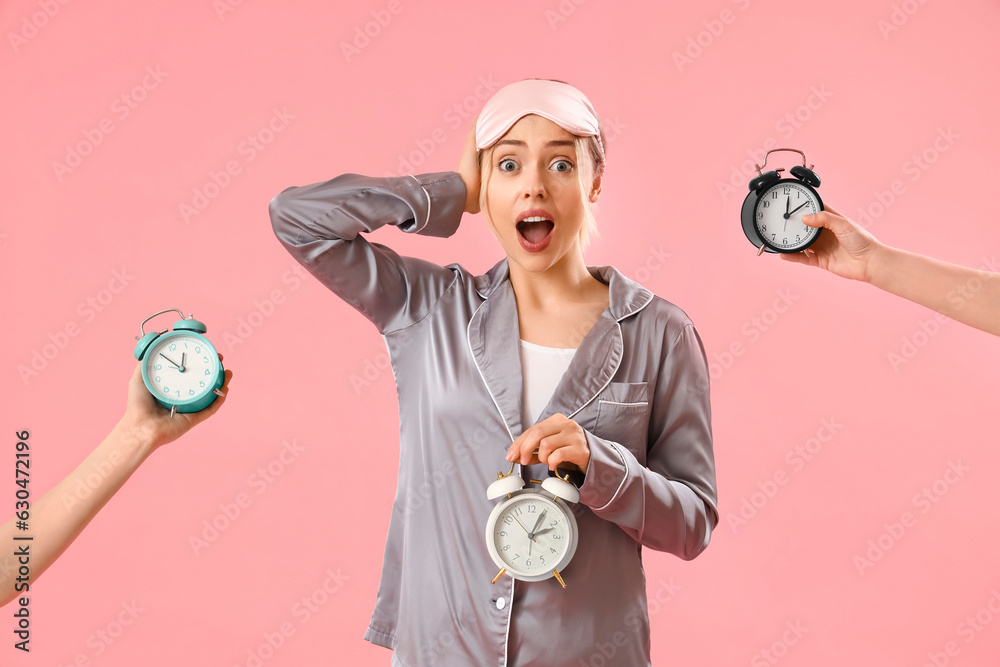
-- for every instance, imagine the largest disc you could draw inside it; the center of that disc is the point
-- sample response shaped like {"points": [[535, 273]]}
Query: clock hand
{"points": [[798, 207], [183, 355], [537, 524], [788, 202], [543, 530], [176, 365]]}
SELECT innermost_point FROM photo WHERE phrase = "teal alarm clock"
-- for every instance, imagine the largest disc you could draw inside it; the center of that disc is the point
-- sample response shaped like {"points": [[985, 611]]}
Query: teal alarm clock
{"points": [[180, 367]]}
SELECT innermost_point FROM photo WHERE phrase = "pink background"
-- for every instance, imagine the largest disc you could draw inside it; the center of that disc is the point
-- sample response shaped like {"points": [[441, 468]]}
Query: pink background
{"points": [[862, 102]]}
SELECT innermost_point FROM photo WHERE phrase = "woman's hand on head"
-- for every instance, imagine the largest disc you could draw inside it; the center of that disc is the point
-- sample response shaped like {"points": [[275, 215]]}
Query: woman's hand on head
{"points": [[147, 419], [846, 249], [560, 441], [468, 169]]}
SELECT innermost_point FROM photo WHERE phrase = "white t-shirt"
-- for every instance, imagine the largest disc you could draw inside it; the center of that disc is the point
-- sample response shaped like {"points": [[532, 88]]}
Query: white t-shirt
{"points": [[541, 367]]}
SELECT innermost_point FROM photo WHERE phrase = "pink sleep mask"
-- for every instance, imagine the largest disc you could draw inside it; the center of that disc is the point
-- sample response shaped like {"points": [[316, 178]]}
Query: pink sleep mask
{"points": [[559, 102]]}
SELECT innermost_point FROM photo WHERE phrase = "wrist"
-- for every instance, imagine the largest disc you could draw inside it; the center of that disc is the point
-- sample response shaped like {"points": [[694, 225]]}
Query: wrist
{"points": [[135, 439], [879, 269]]}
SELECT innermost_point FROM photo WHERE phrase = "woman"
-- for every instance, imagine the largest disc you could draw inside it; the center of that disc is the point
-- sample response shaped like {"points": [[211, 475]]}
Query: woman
{"points": [[487, 373]]}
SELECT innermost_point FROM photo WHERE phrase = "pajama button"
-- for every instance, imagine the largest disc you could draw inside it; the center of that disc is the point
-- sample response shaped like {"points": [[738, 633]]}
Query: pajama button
{"points": [[501, 603]]}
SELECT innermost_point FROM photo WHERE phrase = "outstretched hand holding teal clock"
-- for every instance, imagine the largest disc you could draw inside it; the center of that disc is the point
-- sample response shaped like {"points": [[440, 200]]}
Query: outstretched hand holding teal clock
{"points": [[967, 295], [58, 517]]}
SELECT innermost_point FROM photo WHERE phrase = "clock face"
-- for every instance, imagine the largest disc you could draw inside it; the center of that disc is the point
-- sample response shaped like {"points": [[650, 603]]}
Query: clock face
{"points": [[531, 535], [778, 216], [181, 368]]}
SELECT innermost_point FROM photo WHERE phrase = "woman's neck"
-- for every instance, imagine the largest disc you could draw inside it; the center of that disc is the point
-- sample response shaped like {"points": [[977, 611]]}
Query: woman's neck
{"points": [[568, 281]]}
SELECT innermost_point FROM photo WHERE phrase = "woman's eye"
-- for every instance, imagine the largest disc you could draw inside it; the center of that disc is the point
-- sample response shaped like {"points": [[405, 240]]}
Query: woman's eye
{"points": [[569, 165], [503, 162]]}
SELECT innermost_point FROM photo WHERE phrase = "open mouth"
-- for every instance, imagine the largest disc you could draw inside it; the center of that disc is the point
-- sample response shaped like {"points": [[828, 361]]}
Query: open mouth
{"points": [[535, 230]]}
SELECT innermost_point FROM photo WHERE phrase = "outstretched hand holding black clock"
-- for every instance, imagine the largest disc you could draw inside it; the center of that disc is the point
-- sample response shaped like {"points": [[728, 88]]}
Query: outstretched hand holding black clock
{"points": [[971, 296]]}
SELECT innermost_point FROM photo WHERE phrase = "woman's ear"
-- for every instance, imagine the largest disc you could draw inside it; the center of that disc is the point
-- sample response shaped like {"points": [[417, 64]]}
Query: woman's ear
{"points": [[596, 191]]}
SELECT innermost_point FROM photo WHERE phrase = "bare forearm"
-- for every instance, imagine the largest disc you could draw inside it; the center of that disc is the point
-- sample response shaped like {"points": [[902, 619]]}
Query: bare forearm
{"points": [[59, 516], [967, 295]]}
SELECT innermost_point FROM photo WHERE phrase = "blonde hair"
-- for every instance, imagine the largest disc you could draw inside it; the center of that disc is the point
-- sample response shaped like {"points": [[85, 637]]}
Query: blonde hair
{"points": [[589, 167]]}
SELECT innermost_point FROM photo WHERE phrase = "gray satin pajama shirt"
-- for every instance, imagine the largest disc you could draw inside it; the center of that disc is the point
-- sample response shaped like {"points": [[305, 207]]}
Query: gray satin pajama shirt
{"points": [[638, 385]]}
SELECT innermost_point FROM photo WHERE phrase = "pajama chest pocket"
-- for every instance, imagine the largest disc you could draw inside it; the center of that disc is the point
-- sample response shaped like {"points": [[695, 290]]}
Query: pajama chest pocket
{"points": [[623, 416]]}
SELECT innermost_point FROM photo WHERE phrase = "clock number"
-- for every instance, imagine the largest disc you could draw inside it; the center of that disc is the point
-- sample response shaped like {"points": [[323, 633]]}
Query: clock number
{"points": [[190, 392], [201, 383], [557, 537], [772, 236], [173, 346], [797, 238], [208, 371], [516, 556], [774, 193], [156, 379], [508, 519], [765, 203], [786, 190], [531, 508], [178, 393], [505, 547], [760, 215], [553, 550], [503, 533], [552, 524], [784, 240], [527, 563], [166, 390], [518, 511], [542, 558], [205, 359], [158, 367], [197, 349]]}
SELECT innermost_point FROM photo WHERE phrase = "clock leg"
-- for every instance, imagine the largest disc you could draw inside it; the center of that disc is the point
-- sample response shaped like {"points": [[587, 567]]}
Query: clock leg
{"points": [[173, 409], [561, 582], [499, 574]]}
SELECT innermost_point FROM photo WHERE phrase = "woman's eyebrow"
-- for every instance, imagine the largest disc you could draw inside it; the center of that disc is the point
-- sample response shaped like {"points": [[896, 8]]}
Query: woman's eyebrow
{"points": [[518, 142]]}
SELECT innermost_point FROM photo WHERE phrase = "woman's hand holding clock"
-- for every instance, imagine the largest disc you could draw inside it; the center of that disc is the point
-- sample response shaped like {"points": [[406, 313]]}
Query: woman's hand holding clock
{"points": [[468, 169], [559, 441], [848, 252]]}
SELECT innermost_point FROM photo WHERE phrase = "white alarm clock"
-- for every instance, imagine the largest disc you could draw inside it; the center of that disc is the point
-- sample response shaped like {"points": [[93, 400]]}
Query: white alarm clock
{"points": [[532, 534]]}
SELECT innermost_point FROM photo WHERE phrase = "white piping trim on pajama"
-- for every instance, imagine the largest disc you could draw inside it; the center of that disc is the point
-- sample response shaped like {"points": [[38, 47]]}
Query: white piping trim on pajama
{"points": [[624, 477], [426, 194]]}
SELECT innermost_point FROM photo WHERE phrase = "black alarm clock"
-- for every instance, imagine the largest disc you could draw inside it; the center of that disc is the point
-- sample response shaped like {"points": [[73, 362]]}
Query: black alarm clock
{"points": [[772, 212]]}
